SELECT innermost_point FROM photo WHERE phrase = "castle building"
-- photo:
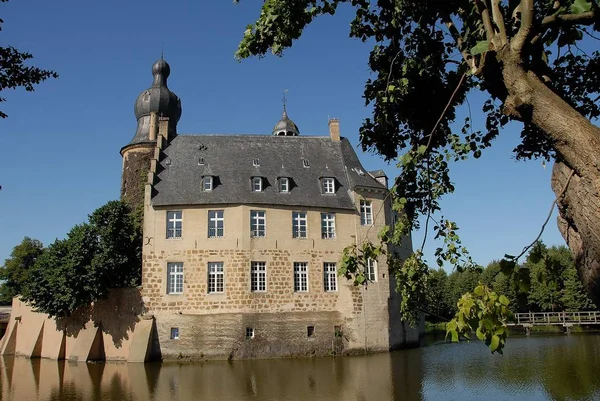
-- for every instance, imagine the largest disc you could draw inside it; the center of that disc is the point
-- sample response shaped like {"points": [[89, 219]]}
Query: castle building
{"points": [[243, 236]]}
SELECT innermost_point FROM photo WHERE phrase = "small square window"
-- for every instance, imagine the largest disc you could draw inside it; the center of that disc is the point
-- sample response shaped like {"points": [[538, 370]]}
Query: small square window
{"points": [[207, 183], [201, 161], [256, 162], [257, 184], [249, 333], [310, 331], [305, 163], [174, 333]]}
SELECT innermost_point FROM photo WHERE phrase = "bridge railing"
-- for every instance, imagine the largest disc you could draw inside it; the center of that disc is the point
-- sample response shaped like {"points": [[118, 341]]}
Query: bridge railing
{"points": [[556, 318]]}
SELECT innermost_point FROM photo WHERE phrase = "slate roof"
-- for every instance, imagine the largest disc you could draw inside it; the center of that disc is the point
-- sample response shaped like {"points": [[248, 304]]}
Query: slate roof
{"points": [[231, 157]]}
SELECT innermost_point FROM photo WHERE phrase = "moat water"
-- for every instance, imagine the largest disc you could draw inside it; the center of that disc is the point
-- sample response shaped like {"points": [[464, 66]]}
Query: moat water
{"points": [[535, 368]]}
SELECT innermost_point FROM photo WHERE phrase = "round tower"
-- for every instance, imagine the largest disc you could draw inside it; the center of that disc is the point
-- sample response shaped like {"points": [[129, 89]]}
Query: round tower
{"points": [[154, 104]]}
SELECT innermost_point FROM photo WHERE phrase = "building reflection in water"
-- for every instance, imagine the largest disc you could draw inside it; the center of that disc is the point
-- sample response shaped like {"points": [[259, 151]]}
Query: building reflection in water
{"points": [[377, 377]]}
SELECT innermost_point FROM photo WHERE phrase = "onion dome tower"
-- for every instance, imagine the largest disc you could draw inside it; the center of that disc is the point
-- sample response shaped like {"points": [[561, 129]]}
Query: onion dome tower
{"points": [[157, 103], [157, 99]]}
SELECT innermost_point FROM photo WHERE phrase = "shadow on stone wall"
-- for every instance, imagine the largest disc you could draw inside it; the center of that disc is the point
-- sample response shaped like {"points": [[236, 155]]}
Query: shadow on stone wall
{"points": [[115, 315]]}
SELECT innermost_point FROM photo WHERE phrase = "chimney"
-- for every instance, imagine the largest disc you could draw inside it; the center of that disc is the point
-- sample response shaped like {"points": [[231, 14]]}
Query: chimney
{"points": [[334, 129]]}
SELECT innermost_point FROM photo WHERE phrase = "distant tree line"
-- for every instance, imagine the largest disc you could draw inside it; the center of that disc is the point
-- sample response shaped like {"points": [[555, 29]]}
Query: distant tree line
{"points": [[95, 256], [553, 285]]}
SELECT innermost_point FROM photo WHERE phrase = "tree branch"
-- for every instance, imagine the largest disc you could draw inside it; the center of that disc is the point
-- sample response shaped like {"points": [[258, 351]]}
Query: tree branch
{"points": [[527, 11], [499, 21], [459, 41], [485, 18], [586, 18]]}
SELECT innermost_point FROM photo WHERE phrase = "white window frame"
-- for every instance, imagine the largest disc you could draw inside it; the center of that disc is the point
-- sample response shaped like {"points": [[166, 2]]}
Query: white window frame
{"points": [[327, 225], [258, 219], [299, 224], [207, 183], [257, 184], [366, 213], [214, 217], [175, 278], [329, 277], [284, 184], [300, 276], [328, 186], [258, 276], [216, 278], [174, 217], [371, 269]]}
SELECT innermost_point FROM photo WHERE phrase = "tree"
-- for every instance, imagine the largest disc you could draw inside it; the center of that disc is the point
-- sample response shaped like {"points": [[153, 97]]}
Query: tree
{"points": [[437, 305], [16, 269], [554, 282], [14, 73], [96, 256], [427, 57]]}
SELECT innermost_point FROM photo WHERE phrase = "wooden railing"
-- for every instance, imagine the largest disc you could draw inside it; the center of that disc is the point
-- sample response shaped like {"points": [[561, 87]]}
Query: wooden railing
{"points": [[555, 318]]}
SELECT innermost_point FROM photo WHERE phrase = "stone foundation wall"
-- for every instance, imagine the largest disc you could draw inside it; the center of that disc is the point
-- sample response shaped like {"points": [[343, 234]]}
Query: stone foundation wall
{"points": [[223, 336]]}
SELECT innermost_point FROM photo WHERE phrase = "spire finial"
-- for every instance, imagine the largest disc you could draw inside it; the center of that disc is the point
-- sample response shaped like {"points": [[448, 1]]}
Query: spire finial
{"points": [[284, 100], [162, 51]]}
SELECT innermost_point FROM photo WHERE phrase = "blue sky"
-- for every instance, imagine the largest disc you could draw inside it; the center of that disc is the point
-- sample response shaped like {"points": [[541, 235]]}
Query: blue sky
{"points": [[61, 143]]}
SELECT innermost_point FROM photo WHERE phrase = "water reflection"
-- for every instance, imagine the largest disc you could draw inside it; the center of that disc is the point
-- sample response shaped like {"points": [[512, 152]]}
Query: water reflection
{"points": [[557, 368]]}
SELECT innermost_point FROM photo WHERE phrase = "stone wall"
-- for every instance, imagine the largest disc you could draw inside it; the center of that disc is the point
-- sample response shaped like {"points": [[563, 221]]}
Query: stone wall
{"points": [[110, 329]]}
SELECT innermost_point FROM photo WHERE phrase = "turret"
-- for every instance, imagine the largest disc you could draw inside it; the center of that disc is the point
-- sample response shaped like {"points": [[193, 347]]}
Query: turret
{"points": [[154, 103]]}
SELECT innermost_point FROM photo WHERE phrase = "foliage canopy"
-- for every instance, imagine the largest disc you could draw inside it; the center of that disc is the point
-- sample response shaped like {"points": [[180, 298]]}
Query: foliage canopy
{"points": [[426, 57], [96, 256]]}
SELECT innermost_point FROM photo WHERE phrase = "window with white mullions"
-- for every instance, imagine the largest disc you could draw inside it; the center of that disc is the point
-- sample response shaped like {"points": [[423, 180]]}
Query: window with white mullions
{"points": [[216, 222], [328, 185], [258, 276], [216, 277], [366, 213], [207, 183], [284, 184], [329, 276], [258, 223], [257, 184], [174, 278], [174, 224], [300, 276], [371, 270], [299, 224], [327, 225]]}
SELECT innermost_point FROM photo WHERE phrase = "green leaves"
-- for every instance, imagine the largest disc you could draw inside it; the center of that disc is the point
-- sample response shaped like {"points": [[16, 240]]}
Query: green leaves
{"points": [[96, 256], [581, 6], [484, 312], [480, 47]]}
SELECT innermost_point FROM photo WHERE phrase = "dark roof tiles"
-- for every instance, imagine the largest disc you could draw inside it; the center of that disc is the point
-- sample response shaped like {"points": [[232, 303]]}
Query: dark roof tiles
{"points": [[231, 158]]}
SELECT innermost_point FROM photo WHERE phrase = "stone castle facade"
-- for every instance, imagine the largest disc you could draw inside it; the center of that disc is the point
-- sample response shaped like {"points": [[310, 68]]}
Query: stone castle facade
{"points": [[243, 236]]}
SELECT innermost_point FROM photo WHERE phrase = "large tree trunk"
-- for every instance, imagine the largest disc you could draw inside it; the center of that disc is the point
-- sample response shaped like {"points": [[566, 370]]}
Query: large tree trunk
{"points": [[576, 174]]}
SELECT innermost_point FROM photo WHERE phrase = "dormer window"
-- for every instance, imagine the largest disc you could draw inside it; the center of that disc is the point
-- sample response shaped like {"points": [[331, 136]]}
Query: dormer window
{"points": [[328, 185], [257, 184], [305, 163], [207, 183], [284, 184]]}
